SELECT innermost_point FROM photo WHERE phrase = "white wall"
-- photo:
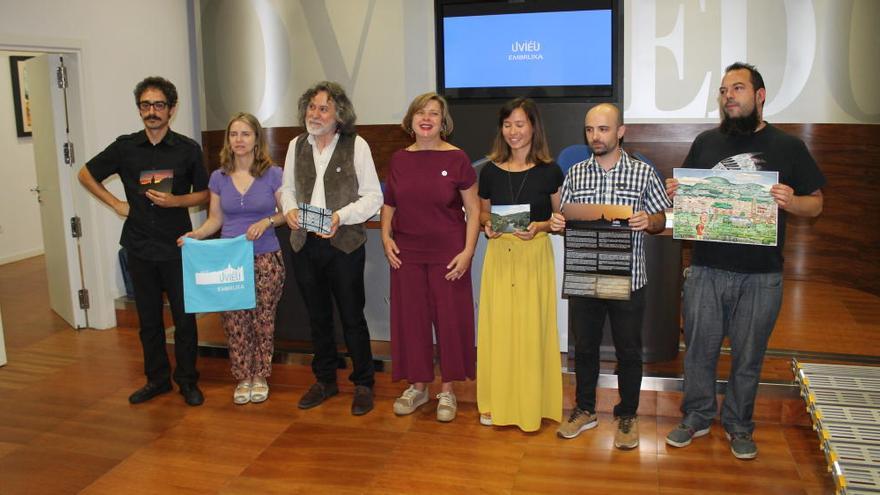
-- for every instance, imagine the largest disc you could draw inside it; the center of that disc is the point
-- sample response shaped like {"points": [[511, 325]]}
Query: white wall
{"points": [[381, 52], [119, 42], [818, 57], [21, 235]]}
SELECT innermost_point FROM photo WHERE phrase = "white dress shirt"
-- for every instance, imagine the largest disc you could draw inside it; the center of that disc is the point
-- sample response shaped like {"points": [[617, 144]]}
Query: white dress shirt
{"points": [[369, 190]]}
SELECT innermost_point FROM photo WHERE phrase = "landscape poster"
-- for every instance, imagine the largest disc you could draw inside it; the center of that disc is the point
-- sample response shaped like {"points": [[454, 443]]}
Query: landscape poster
{"points": [[725, 206], [510, 218], [598, 251], [599, 215]]}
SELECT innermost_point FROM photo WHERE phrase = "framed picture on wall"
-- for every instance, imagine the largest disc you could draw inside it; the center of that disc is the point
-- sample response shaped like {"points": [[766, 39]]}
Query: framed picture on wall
{"points": [[20, 96]]}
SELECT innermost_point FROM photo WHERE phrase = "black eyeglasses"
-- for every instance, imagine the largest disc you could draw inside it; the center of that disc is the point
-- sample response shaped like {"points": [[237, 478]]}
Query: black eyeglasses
{"points": [[158, 105]]}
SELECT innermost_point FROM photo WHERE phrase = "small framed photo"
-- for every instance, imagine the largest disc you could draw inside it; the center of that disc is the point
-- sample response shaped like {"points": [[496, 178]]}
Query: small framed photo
{"points": [[20, 95]]}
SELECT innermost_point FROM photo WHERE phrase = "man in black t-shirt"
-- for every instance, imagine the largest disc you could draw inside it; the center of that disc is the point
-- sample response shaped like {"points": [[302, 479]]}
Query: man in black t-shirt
{"points": [[163, 174], [735, 290]]}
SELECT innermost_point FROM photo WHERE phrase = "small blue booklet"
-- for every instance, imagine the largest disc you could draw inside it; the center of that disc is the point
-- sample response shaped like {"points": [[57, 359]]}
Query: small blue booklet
{"points": [[315, 219]]}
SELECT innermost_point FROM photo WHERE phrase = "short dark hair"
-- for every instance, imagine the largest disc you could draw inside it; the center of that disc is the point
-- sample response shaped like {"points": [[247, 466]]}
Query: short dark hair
{"points": [[164, 85], [755, 76], [345, 116]]}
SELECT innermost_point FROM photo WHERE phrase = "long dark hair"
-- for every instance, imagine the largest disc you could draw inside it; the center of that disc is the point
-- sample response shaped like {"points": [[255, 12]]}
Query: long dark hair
{"points": [[539, 152]]}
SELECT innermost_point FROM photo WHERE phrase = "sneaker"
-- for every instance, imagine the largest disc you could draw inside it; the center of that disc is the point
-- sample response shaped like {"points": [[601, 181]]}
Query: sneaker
{"points": [[681, 435], [627, 435], [410, 400], [577, 422], [242, 393], [741, 445], [486, 419], [446, 407]]}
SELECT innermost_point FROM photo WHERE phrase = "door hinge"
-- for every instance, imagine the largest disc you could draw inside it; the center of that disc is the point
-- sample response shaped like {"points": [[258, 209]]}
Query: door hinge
{"points": [[69, 153], [83, 298], [75, 227], [61, 77]]}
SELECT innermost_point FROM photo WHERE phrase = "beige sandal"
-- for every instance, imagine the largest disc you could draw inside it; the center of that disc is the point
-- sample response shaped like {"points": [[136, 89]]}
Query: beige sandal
{"points": [[242, 394], [259, 390]]}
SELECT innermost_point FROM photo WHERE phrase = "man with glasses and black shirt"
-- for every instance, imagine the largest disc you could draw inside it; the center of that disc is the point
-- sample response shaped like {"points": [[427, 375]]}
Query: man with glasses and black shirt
{"points": [[163, 174]]}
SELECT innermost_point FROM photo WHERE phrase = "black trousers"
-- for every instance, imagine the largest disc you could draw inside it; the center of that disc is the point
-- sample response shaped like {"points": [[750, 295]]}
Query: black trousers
{"points": [[588, 317], [322, 272], [150, 279]]}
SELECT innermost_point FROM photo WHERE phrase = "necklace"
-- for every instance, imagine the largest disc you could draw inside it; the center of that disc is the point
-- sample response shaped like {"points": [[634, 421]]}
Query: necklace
{"points": [[515, 197]]}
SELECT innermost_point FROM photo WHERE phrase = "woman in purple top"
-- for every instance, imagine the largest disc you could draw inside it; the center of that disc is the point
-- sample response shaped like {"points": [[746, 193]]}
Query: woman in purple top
{"points": [[244, 199], [429, 243]]}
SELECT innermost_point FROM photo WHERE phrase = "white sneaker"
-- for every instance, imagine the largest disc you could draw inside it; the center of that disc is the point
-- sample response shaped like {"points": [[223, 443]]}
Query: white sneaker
{"points": [[486, 419], [410, 400], [446, 407]]}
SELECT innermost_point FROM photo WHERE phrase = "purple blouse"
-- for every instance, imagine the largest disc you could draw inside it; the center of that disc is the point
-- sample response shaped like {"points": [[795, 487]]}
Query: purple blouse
{"points": [[241, 210]]}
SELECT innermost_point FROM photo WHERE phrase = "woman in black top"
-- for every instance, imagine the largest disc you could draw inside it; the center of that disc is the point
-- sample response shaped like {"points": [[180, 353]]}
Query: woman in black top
{"points": [[519, 378]]}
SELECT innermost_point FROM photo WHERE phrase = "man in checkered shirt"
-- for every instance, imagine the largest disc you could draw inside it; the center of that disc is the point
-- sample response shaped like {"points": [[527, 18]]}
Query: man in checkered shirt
{"points": [[611, 176]]}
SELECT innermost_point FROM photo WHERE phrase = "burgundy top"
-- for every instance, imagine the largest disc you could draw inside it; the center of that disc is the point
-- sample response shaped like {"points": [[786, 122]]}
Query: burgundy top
{"points": [[425, 188]]}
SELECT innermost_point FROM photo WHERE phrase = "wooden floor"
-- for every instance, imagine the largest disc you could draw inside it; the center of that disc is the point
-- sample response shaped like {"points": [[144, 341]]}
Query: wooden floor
{"points": [[66, 427]]}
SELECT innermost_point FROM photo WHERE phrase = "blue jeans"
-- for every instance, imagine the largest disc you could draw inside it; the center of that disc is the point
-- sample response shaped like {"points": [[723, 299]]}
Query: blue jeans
{"points": [[718, 304]]}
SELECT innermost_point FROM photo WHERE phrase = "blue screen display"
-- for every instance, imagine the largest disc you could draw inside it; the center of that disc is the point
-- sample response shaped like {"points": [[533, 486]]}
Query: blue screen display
{"points": [[570, 48]]}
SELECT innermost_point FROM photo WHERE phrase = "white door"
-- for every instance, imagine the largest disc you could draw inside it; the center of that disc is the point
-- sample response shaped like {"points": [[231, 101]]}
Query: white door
{"points": [[56, 175]]}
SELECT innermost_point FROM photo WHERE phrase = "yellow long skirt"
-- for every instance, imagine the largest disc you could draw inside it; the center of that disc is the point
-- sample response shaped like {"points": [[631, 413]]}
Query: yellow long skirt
{"points": [[519, 376]]}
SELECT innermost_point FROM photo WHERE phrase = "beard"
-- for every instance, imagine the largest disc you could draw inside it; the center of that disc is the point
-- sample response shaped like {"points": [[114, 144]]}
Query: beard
{"points": [[319, 130], [740, 126], [599, 148]]}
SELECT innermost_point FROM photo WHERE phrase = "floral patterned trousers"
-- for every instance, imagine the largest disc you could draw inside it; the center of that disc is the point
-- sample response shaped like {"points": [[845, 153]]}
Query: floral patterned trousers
{"points": [[251, 332]]}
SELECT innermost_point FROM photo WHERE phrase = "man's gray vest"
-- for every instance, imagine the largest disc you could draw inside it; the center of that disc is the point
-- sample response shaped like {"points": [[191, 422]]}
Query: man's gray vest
{"points": [[340, 189]]}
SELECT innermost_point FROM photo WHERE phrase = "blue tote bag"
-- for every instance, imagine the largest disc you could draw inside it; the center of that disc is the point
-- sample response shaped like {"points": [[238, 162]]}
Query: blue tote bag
{"points": [[218, 275]]}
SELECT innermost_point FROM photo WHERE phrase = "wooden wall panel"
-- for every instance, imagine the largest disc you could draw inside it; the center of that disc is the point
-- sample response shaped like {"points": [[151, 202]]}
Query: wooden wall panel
{"points": [[842, 246]]}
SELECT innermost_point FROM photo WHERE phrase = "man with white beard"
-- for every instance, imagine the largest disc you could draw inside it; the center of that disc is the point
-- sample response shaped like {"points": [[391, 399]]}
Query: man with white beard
{"points": [[331, 167]]}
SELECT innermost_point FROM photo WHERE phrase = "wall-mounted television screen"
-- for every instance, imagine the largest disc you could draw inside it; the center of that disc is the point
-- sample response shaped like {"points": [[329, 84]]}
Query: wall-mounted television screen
{"points": [[546, 48]]}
